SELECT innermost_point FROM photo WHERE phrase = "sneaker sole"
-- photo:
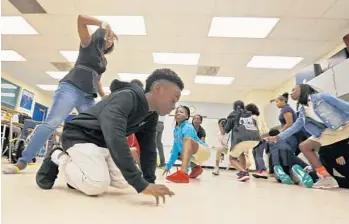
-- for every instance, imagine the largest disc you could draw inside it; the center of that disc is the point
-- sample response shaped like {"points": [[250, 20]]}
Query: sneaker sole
{"points": [[259, 176], [306, 180], [283, 177], [244, 179], [324, 187], [169, 181]]}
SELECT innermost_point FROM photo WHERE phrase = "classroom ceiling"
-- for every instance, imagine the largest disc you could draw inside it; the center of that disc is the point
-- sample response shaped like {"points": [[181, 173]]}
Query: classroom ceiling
{"points": [[307, 29]]}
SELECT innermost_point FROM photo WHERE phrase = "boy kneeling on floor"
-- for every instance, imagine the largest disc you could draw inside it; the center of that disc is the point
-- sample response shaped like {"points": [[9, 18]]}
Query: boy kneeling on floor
{"points": [[187, 147], [95, 147]]}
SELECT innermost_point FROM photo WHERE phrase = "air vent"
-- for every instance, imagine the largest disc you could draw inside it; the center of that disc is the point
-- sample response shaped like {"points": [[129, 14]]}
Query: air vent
{"points": [[62, 66], [28, 6], [207, 70]]}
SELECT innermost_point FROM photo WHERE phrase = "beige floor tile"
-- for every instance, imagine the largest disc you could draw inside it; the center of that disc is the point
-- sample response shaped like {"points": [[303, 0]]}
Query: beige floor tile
{"points": [[206, 200]]}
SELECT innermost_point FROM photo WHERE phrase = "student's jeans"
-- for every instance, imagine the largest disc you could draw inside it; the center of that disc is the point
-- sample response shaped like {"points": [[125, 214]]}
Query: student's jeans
{"points": [[66, 98], [258, 152], [159, 145], [28, 123]]}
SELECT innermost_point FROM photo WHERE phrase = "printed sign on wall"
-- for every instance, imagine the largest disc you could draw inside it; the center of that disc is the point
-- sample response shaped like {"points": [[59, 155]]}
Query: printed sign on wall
{"points": [[27, 100]]}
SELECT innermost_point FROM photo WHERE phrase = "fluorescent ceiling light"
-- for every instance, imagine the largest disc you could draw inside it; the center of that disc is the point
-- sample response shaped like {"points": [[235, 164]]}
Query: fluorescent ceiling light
{"points": [[11, 55], [242, 27], [277, 62], [8, 86], [185, 92], [124, 25], [57, 75], [214, 80], [71, 56], [16, 25], [176, 58], [129, 76], [48, 87], [10, 95]]}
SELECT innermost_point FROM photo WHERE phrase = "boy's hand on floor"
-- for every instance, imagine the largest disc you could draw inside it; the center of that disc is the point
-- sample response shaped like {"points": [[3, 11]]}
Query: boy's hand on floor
{"points": [[340, 161], [158, 190]]}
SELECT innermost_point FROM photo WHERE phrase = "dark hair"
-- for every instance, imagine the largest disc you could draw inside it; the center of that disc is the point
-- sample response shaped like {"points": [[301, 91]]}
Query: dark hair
{"points": [[274, 132], [187, 110], [137, 82], [283, 97], [163, 74], [305, 91], [201, 118], [253, 109], [239, 105], [222, 119], [109, 49]]}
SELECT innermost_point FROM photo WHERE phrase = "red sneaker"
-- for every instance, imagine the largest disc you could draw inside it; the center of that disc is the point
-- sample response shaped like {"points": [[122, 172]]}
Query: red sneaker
{"points": [[195, 172], [178, 177]]}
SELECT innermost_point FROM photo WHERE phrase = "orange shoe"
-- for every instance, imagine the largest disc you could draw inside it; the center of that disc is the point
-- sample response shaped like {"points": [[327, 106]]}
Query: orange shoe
{"points": [[178, 177], [195, 172]]}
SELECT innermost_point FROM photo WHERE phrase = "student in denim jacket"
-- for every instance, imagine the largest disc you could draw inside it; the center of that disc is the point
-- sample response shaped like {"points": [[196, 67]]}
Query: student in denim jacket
{"points": [[326, 119]]}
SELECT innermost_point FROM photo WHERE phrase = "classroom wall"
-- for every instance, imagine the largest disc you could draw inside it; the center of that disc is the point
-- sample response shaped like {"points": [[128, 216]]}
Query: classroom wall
{"points": [[39, 96]]}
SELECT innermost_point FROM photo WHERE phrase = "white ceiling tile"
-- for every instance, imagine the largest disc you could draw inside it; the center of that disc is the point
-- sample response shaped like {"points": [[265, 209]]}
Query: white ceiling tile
{"points": [[339, 10], [182, 26], [61, 7], [7, 9], [251, 8], [192, 7], [179, 25], [291, 28], [310, 9]]}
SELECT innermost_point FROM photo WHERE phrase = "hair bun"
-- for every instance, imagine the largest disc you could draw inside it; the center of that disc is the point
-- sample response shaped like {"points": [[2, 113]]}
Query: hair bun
{"points": [[285, 95]]}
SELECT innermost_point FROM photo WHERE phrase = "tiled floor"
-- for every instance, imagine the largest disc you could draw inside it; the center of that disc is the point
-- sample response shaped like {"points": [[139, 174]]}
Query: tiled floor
{"points": [[206, 200]]}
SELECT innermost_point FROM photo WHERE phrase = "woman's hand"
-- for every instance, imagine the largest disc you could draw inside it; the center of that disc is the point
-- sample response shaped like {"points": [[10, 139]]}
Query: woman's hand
{"points": [[110, 35]]}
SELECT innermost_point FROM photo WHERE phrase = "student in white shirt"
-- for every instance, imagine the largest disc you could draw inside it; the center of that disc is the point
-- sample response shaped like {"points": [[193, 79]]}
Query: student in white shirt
{"points": [[223, 139]]}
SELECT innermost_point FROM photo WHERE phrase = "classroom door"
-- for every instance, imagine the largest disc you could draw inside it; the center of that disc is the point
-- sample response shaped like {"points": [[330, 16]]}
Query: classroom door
{"points": [[40, 112]]}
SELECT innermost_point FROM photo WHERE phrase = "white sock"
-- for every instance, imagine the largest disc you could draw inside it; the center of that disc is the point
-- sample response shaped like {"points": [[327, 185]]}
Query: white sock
{"points": [[59, 156]]}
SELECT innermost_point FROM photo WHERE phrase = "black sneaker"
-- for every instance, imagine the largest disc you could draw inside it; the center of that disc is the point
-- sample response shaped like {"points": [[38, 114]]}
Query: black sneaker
{"points": [[48, 172], [244, 176]]}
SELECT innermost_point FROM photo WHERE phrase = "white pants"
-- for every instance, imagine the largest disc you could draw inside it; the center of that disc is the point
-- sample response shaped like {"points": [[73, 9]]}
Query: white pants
{"points": [[91, 170]]}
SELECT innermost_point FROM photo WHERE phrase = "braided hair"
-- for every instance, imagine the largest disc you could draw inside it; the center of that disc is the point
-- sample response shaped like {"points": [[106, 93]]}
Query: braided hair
{"points": [[305, 91], [187, 111], [239, 107]]}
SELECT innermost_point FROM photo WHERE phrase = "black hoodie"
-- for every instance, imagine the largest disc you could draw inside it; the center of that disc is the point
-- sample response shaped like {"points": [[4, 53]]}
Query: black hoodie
{"points": [[107, 124]]}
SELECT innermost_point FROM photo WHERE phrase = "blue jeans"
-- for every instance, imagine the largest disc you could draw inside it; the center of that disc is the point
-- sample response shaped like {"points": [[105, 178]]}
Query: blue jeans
{"points": [[66, 98], [28, 123]]}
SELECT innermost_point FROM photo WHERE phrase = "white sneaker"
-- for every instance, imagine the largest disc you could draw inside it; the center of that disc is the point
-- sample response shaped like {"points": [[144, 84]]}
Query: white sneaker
{"points": [[216, 171], [326, 183]]}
